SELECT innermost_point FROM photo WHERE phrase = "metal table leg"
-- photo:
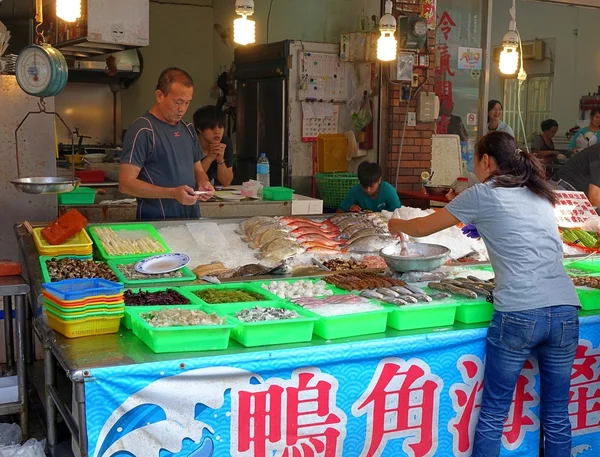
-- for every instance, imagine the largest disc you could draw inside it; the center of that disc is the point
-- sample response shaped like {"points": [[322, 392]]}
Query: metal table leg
{"points": [[8, 335], [50, 381], [21, 368], [80, 399]]}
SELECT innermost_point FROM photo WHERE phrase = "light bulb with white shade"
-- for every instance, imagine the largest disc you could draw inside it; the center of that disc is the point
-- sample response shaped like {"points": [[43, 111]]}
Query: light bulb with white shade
{"points": [[509, 60], [68, 10], [244, 29], [387, 46]]}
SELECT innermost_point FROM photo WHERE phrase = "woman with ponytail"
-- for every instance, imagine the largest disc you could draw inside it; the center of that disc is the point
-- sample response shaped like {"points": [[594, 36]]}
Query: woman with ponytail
{"points": [[536, 306]]}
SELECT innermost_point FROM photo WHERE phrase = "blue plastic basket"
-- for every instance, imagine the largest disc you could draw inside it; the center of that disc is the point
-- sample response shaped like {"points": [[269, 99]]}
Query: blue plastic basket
{"points": [[79, 289]]}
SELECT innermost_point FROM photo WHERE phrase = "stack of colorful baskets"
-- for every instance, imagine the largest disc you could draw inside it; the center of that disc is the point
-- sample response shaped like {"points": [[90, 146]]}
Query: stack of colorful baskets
{"points": [[84, 307]]}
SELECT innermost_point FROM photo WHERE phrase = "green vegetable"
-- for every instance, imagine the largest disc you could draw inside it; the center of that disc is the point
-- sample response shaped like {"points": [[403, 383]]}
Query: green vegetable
{"points": [[570, 236], [215, 296], [361, 120], [586, 238]]}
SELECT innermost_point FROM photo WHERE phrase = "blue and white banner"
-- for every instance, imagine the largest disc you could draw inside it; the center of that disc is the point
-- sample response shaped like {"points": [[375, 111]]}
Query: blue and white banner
{"points": [[415, 396]]}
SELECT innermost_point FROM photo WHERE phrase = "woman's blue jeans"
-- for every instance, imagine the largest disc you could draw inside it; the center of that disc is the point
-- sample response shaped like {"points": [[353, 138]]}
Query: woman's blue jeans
{"points": [[553, 332]]}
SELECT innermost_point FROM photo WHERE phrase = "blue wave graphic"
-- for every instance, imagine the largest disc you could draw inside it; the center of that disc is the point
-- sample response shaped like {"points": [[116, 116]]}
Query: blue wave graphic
{"points": [[189, 448], [138, 417]]}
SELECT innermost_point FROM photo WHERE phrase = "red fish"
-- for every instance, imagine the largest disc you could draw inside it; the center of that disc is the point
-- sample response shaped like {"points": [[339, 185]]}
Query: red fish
{"points": [[323, 250], [300, 220], [318, 244], [321, 239], [302, 231]]}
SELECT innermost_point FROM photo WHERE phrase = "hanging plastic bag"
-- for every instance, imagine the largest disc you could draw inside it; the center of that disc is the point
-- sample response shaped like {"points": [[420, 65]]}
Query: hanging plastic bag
{"points": [[360, 109]]}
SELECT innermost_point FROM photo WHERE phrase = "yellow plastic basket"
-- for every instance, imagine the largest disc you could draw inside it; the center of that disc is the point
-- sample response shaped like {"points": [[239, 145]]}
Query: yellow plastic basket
{"points": [[80, 244], [84, 327]]}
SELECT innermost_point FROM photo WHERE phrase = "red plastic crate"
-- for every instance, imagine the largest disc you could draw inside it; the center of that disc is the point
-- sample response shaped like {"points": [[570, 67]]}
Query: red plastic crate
{"points": [[91, 175]]}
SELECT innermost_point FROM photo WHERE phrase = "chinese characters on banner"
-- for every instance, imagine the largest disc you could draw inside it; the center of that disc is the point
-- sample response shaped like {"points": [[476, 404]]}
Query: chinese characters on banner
{"points": [[584, 402], [428, 12], [299, 417], [443, 86], [572, 209]]}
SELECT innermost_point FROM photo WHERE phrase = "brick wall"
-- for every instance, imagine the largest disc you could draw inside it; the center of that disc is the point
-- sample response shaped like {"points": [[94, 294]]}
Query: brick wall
{"points": [[416, 150]]}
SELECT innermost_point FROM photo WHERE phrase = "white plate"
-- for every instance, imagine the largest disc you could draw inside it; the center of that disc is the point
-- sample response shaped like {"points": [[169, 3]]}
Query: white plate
{"points": [[163, 263], [229, 196]]}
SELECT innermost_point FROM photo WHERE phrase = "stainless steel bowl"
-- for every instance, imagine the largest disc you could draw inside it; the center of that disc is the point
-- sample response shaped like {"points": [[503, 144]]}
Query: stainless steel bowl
{"points": [[439, 191], [420, 257], [45, 185]]}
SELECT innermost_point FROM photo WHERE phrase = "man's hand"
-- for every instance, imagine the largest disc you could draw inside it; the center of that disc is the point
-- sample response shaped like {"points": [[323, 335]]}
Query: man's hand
{"points": [[355, 209], [206, 187], [185, 195], [217, 150]]}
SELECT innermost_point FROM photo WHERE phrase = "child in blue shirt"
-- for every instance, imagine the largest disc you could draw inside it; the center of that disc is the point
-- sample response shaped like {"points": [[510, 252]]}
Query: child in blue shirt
{"points": [[372, 194]]}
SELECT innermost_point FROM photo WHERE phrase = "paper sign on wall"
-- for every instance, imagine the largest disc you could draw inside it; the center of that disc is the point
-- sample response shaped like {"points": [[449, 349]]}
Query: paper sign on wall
{"points": [[469, 58], [572, 209], [471, 119]]}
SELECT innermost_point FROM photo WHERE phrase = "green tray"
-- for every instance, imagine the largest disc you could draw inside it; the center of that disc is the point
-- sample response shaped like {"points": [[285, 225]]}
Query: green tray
{"points": [[278, 194], [43, 258], [252, 334], [87, 316], [126, 322], [187, 274], [151, 231], [87, 309], [590, 298], [335, 290], [78, 196], [586, 266], [181, 339], [348, 325], [474, 312], [188, 291], [417, 316]]}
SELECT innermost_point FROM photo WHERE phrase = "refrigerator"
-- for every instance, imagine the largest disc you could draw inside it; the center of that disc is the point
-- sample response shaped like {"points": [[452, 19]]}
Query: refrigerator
{"points": [[270, 94], [37, 152]]}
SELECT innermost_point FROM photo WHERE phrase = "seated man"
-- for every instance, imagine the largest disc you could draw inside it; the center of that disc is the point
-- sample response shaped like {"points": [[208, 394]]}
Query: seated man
{"points": [[372, 194], [218, 149]]}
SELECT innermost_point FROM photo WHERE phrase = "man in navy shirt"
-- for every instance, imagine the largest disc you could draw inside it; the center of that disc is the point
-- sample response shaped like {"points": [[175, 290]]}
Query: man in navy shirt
{"points": [[161, 163]]}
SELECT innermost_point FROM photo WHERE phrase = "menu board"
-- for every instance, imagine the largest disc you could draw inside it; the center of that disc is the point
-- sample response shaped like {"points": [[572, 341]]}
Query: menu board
{"points": [[572, 209]]}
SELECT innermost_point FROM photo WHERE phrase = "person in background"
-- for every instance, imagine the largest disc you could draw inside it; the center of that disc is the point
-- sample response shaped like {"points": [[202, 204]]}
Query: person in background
{"points": [[582, 172], [454, 123], [542, 145], [209, 123], [495, 124], [587, 136], [536, 305], [372, 194], [161, 159]]}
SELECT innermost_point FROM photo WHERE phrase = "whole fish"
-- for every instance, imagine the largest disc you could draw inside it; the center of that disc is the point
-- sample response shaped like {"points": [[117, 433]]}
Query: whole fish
{"points": [[401, 290], [277, 244], [372, 243], [283, 253], [452, 289], [371, 294], [409, 299], [387, 292], [297, 225], [415, 289], [322, 250], [397, 301], [364, 232], [253, 221], [440, 296], [423, 297], [288, 220], [271, 235], [262, 227], [348, 222], [352, 229], [314, 231], [470, 286], [323, 240]]}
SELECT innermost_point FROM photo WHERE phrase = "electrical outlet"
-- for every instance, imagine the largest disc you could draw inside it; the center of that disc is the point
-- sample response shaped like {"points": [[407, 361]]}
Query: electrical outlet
{"points": [[415, 80], [412, 119]]}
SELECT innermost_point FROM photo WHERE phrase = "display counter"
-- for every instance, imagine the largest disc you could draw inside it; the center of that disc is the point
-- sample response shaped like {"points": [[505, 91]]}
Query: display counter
{"points": [[396, 393]]}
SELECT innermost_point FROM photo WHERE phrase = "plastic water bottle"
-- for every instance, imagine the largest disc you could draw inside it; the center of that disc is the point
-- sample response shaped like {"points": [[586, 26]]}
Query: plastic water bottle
{"points": [[263, 175]]}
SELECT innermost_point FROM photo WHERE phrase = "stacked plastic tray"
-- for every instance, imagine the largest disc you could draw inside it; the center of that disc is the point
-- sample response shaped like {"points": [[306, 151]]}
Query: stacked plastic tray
{"points": [[78, 245], [84, 307]]}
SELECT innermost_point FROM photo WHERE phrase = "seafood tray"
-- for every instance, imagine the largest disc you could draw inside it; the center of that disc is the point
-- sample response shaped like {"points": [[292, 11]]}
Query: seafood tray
{"points": [[419, 316], [79, 272], [186, 274], [583, 267], [147, 230], [349, 325], [252, 334], [333, 290], [474, 313], [361, 281], [179, 338], [126, 322], [588, 290], [254, 288]]}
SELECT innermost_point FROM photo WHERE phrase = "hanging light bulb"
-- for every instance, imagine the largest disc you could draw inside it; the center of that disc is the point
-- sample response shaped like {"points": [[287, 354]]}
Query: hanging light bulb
{"points": [[509, 58], [68, 10], [244, 29], [387, 45]]}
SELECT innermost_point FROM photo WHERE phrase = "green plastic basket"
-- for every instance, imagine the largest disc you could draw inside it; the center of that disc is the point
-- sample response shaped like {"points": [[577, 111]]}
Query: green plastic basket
{"points": [[44, 267], [188, 291], [148, 228], [349, 325], [475, 313], [78, 196], [284, 331], [590, 298], [412, 317], [333, 187], [181, 339]]}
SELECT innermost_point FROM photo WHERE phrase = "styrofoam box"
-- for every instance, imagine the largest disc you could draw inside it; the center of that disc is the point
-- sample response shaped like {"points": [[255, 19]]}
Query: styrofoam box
{"points": [[9, 390]]}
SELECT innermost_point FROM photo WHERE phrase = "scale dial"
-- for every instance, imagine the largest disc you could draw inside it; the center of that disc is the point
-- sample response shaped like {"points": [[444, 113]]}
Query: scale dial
{"points": [[419, 27], [41, 71]]}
